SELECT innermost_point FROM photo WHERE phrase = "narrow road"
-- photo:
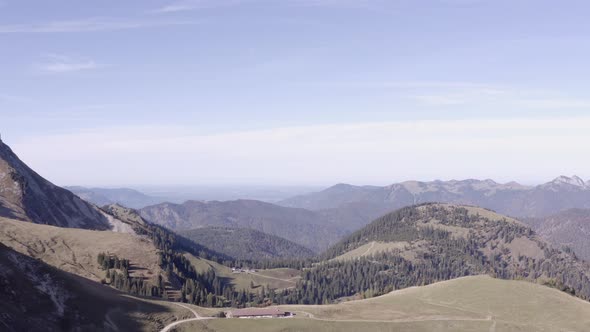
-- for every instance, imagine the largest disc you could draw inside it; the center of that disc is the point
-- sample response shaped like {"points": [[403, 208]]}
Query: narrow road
{"points": [[269, 277], [178, 322], [369, 249], [110, 322], [493, 327], [400, 320]]}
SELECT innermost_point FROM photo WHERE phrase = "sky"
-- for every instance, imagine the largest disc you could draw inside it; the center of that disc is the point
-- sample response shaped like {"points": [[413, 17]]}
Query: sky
{"points": [[295, 92]]}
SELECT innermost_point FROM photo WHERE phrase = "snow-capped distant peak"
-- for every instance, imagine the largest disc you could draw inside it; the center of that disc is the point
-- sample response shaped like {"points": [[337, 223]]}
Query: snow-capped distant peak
{"points": [[573, 181]]}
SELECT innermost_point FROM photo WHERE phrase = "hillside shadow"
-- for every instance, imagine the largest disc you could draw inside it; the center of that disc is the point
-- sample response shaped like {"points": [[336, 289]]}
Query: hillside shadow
{"points": [[97, 302], [88, 304]]}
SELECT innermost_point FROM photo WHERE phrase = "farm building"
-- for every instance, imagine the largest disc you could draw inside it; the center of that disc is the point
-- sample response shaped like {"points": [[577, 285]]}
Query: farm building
{"points": [[258, 313]]}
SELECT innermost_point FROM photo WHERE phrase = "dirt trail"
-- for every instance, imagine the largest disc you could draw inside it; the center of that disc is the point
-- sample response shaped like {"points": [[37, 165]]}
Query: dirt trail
{"points": [[402, 320], [369, 249], [493, 327], [197, 317], [109, 323], [290, 280]]}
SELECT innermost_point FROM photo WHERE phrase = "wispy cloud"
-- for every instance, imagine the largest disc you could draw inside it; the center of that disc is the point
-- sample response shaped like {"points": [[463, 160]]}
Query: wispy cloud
{"points": [[88, 24], [458, 95], [555, 103], [398, 84], [188, 5], [440, 100], [57, 63], [357, 4], [463, 93], [505, 97], [358, 152]]}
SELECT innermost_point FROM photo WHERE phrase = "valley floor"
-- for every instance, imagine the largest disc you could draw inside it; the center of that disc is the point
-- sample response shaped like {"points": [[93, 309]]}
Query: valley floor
{"points": [[273, 278]]}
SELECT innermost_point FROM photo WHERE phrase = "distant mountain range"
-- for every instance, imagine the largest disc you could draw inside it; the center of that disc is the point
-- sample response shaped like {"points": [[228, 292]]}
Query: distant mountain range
{"points": [[124, 196], [317, 220], [143, 196], [510, 198], [307, 228]]}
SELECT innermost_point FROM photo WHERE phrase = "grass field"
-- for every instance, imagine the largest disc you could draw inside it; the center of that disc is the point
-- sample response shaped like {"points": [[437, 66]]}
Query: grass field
{"points": [[274, 278], [475, 210], [467, 304], [129, 313], [371, 248], [76, 250], [288, 325]]}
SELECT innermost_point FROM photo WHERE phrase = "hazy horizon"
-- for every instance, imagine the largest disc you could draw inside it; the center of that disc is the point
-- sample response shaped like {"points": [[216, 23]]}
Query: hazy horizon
{"points": [[187, 187], [296, 92]]}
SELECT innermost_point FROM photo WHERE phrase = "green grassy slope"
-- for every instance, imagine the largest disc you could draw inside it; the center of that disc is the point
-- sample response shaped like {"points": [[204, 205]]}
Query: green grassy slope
{"points": [[478, 303], [271, 278]]}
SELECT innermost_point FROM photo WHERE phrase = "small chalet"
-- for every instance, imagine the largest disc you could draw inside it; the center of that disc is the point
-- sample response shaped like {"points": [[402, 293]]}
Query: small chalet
{"points": [[258, 313]]}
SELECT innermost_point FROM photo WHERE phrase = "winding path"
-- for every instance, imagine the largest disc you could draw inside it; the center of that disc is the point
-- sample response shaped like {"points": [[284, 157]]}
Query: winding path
{"points": [[399, 320], [366, 253], [178, 322], [290, 280], [309, 315]]}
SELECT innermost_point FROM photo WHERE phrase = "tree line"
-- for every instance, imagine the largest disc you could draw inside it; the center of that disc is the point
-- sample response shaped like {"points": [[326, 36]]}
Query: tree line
{"points": [[444, 256], [117, 275]]}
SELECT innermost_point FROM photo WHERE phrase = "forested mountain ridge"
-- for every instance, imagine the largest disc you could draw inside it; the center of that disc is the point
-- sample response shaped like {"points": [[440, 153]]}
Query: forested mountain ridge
{"points": [[106, 196], [246, 244], [569, 228], [412, 222], [306, 228], [510, 198], [440, 242]]}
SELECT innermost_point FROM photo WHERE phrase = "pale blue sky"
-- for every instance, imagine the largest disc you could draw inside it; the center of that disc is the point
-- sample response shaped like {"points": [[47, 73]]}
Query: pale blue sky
{"points": [[213, 71]]}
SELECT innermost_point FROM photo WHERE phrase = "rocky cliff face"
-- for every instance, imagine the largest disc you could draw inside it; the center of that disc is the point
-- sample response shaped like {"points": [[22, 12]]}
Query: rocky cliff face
{"points": [[25, 195]]}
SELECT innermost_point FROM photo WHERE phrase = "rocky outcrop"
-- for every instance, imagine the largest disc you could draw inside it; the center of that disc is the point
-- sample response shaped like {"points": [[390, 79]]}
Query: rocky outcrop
{"points": [[25, 195]]}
